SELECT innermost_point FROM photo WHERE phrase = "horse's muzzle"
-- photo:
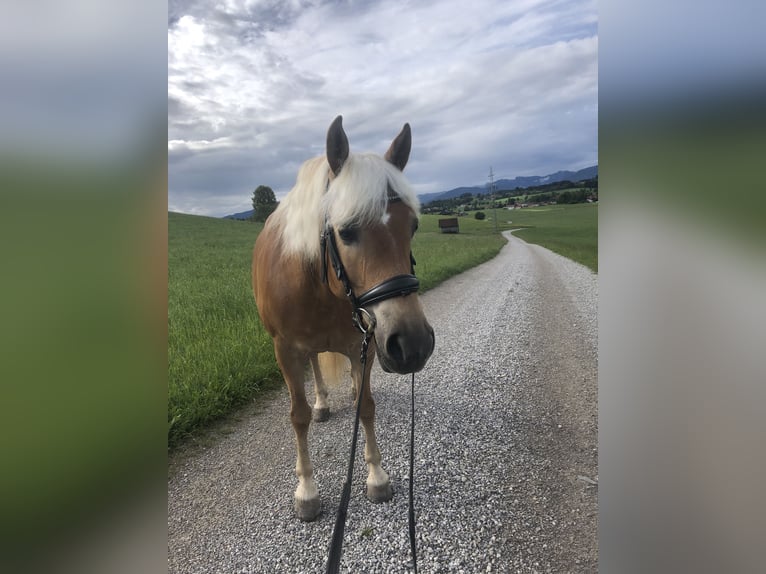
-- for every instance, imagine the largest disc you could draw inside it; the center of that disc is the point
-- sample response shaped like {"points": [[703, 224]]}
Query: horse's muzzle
{"points": [[407, 350]]}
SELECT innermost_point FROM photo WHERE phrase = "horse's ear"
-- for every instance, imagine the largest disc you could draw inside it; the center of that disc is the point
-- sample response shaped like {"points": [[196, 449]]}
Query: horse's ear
{"points": [[337, 145], [399, 152]]}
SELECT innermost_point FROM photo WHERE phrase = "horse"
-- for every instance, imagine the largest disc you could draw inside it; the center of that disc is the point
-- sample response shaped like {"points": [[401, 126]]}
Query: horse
{"points": [[356, 214]]}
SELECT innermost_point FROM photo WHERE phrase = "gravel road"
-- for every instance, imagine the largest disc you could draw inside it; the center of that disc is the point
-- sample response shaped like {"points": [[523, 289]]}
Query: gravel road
{"points": [[506, 471]]}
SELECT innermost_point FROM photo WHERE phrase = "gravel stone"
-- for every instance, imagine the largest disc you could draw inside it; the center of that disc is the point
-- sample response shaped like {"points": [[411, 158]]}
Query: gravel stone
{"points": [[506, 459]]}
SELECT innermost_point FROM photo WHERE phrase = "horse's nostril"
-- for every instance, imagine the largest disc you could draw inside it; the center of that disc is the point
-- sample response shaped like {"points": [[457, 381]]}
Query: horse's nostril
{"points": [[394, 348]]}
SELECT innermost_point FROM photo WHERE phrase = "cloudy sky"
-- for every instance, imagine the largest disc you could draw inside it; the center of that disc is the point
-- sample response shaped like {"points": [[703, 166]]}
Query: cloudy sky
{"points": [[254, 84]]}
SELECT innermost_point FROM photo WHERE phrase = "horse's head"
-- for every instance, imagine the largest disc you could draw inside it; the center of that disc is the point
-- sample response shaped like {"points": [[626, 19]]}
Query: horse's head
{"points": [[373, 244]]}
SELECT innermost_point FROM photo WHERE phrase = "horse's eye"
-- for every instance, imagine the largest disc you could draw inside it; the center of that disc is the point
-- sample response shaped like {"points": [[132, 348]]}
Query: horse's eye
{"points": [[349, 234], [414, 227]]}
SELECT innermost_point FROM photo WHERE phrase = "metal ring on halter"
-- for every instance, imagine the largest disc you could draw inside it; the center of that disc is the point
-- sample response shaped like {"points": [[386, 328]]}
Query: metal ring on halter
{"points": [[360, 322]]}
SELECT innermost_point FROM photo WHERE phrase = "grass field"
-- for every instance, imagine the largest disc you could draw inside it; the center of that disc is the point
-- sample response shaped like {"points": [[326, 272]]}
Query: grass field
{"points": [[220, 356], [569, 230]]}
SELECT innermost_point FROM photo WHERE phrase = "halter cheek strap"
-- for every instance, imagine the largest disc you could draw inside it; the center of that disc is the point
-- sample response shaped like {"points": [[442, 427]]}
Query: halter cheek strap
{"points": [[397, 286], [328, 243]]}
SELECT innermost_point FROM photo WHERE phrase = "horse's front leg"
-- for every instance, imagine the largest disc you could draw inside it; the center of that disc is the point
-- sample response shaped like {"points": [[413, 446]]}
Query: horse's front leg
{"points": [[378, 483], [292, 363]]}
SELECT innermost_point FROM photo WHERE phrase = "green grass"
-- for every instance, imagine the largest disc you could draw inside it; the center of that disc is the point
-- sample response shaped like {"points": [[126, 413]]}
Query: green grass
{"points": [[219, 354], [569, 230]]}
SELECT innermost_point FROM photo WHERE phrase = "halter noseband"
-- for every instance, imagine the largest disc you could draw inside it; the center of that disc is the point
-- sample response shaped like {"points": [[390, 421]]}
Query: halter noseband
{"points": [[397, 286]]}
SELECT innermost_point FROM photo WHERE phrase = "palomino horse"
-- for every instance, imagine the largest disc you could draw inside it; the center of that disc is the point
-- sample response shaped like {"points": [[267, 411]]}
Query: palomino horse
{"points": [[356, 214]]}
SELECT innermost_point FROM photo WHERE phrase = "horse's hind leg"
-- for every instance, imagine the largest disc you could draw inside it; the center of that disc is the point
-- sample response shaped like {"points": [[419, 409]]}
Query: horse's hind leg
{"points": [[293, 363], [321, 410], [378, 483]]}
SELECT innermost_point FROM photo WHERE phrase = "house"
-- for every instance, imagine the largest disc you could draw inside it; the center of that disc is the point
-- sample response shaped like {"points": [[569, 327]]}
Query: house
{"points": [[449, 225]]}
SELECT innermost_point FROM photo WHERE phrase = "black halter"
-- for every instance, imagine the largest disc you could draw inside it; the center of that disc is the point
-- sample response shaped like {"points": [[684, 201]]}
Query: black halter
{"points": [[396, 286]]}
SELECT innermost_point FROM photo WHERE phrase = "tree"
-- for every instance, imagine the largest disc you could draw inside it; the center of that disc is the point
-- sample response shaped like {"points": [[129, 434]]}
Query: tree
{"points": [[479, 215], [264, 202]]}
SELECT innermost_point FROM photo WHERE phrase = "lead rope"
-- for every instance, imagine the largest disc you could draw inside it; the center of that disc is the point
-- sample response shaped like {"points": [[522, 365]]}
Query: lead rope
{"points": [[336, 544], [413, 545]]}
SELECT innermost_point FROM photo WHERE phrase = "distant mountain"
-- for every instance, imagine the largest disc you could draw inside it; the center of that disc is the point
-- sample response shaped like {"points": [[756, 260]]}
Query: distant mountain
{"points": [[241, 215], [521, 181]]}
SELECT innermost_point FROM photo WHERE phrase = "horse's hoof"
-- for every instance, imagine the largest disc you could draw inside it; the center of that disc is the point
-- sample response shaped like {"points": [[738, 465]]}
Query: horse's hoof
{"points": [[307, 510], [321, 415], [380, 493]]}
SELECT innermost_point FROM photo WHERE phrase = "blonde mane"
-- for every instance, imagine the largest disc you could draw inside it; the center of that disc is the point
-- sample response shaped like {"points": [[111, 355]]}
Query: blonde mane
{"points": [[357, 195]]}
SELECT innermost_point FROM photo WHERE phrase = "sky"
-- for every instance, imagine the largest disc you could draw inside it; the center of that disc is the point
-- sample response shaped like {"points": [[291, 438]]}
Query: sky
{"points": [[253, 86]]}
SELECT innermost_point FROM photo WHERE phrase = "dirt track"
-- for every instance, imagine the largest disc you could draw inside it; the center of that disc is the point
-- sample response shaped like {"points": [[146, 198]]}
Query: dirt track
{"points": [[506, 459]]}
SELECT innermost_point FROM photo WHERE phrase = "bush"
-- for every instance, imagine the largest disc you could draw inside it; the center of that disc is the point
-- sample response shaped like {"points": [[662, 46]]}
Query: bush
{"points": [[480, 215]]}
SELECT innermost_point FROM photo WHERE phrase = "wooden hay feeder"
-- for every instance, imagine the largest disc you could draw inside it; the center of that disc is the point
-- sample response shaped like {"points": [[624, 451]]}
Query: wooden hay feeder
{"points": [[449, 225]]}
